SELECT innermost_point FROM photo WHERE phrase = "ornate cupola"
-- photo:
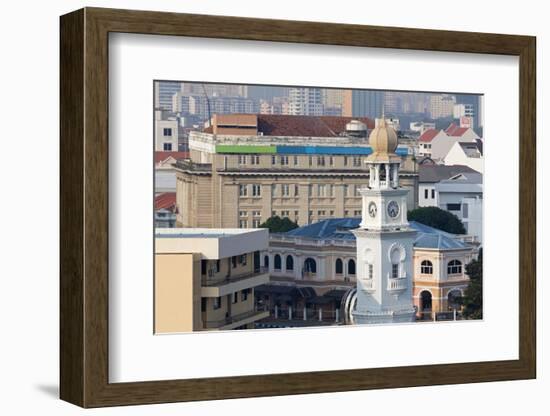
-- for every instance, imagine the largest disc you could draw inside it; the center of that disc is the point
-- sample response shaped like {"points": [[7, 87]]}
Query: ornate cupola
{"points": [[384, 202], [383, 163]]}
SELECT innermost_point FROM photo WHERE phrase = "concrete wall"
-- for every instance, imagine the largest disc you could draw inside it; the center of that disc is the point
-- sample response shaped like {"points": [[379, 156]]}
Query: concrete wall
{"points": [[177, 293]]}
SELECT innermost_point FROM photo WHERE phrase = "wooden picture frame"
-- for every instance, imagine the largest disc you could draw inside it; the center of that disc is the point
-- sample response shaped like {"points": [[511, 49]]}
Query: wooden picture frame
{"points": [[84, 207]]}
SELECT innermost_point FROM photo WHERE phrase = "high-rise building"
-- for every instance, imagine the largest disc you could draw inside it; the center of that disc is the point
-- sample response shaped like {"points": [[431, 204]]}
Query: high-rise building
{"points": [[215, 90], [265, 92], [363, 103], [305, 102], [393, 102], [205, 107], [333, 97], [441, 105], [164, 91], [473, 103]]}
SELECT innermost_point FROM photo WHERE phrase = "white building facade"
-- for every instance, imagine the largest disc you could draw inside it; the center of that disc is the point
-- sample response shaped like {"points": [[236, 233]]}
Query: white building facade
{"points": [[166, 133]]}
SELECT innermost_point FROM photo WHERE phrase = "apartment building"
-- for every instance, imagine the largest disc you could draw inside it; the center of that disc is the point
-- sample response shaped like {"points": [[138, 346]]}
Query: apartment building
{"points": [[205, 278]]}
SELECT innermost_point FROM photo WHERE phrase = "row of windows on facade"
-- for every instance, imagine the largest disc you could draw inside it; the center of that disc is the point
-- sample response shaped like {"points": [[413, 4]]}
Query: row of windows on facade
{"points": [[285, 160], [320, 190], [256, 221], [235, 260], [453, 267], [217, 302], [310, 265]]}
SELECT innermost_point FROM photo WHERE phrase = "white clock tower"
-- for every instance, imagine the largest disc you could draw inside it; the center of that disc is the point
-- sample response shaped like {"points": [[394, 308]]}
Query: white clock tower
{"points": [[384, 238]]}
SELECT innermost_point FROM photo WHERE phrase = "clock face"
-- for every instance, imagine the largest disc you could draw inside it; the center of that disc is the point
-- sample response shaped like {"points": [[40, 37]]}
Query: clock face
{"points": [[393, 209], [372, 209]]}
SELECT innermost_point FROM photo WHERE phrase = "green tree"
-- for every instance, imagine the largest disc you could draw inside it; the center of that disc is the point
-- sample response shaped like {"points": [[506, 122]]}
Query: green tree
{"points": [[437, 218], [279, 225], [473, 296]]}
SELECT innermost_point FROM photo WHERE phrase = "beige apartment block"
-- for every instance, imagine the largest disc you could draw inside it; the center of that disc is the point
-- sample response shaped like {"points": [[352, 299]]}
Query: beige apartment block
{"points": [[205, 279]]}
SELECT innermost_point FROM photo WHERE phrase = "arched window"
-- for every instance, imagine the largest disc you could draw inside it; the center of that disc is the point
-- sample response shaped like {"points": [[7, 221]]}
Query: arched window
{"points": [[425, 301], [351, 267], [339, 266], [426, 267], [277, 262], [310, 266], [289, 262], [266, 261], [397, 257], [454, 267]]}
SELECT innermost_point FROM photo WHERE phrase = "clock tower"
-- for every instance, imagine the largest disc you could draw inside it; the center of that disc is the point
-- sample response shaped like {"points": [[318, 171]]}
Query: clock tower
{"points": [[384, 238]]}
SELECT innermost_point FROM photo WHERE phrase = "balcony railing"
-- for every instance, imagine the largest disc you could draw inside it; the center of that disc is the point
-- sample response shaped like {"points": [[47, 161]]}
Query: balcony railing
{"points": [[280, 238], [234, 278], [368, 285], [399, 283], [229, 320]]}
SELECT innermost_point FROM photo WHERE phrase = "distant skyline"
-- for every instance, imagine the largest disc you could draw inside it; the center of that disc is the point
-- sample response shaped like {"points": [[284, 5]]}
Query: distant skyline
{"points": [[201, 99]]}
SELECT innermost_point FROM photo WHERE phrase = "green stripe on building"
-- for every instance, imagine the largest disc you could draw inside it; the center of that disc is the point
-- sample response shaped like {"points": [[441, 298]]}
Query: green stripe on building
{"points": [[227, 148]]}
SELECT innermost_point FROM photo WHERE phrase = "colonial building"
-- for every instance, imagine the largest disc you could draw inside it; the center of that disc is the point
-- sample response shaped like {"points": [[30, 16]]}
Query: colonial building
{"points": [[245, 169], [321, 258], [205, 278], [383, 254]]}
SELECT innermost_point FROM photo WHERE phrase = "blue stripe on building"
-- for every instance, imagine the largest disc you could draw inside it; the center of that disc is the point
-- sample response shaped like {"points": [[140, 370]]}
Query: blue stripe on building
{"points": [[332, 150]]}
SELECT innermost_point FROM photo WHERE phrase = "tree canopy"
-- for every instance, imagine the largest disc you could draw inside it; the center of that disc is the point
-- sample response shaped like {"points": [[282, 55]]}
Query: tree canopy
{"points": [[277, 224], [437, 218], [472, 300]]}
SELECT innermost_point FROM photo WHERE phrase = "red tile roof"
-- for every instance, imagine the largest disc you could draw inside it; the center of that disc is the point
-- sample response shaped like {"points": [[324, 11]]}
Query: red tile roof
{"points": [[166, 200], [306, 126], [162, 156], [458, 132], [451, 128], [428, 135], [303, 126]]}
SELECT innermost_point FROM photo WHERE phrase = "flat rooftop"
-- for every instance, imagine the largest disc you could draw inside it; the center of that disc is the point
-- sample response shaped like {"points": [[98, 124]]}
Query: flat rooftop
{"points": [[202, 232], [211, 243]]}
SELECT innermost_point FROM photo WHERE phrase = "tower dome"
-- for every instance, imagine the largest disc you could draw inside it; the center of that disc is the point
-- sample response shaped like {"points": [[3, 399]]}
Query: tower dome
{"points": [[383, 139]]}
